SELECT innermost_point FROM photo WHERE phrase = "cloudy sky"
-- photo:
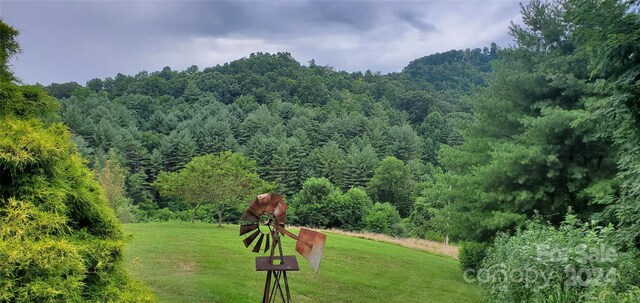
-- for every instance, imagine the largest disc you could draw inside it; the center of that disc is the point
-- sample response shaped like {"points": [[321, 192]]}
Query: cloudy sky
{"points": [[79, 40]]}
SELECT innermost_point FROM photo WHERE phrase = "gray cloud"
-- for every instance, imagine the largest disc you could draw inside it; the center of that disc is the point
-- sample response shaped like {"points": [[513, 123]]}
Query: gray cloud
{"points": [[79, 40], [414, 20]]}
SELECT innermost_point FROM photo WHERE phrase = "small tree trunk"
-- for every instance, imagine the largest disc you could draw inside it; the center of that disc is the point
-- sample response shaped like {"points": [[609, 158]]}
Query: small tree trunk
{"points": [[446, 240], [219, 217], [195, 209]]}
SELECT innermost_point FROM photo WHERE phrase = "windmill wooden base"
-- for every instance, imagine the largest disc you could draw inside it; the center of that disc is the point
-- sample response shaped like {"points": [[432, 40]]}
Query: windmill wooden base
{"points": [[276, 272]]}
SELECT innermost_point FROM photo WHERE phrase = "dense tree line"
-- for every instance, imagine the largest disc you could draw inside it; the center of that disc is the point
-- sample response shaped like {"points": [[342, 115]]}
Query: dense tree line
{"points": [[296, 122]]}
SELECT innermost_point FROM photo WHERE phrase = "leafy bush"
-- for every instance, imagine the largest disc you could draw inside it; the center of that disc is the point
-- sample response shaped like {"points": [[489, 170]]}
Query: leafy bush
{"points": [[59, 240], [573, 263], [400, 229], [348, 210], [471, 255], [309, 204], [321, 204], [382, 218]]}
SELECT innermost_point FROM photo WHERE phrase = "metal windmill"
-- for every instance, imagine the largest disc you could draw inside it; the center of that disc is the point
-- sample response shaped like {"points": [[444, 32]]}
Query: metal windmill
{"points": [[270, 210]]}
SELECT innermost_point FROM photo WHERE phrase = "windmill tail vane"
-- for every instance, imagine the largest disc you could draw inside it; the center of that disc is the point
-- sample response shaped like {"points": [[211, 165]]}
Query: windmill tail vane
{"points": [[309, 244]]}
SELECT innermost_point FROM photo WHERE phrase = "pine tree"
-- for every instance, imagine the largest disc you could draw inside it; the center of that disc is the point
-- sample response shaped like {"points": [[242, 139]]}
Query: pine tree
{"points": [[328, 162], [185, 148], [404, 143], [359, 167]]}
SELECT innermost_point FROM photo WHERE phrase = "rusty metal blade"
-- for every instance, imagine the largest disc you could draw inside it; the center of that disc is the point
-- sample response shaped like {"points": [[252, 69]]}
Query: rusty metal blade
{"points": [[259, 244], [264, 201], [245, 228], [249, 216], [247, 241], [310, 245], [256, 208], [280, 212], [276, 200], [267, 246], [282, 219]]}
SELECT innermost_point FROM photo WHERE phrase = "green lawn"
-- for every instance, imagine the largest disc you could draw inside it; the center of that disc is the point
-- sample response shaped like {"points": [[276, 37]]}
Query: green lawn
{"points": [[184, 262]]}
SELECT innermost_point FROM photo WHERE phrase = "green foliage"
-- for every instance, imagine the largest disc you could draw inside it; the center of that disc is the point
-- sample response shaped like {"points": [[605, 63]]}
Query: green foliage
{"points": [[111, 177], [349, 209], [26, 101], [471, 255], [59, 240], [573, 263], [383, 218], [9, 48], [295, 121], [404, 143], [432, 213], [393, 183], [64, 90], [608, 32], [328, 161], [321, 204], [456, 69], [222, 180], [310, 206], [138, 190], [522, 154], [360, 166]]}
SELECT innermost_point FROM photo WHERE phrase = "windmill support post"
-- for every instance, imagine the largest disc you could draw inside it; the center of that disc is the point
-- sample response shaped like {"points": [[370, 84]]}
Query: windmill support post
{"points": [[276, 271]]}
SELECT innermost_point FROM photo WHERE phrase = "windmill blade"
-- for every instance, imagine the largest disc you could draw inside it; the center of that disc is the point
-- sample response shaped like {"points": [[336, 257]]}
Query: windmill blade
{"points": [[259, 244], [256, 208], [276, 200], [281, 219], [280, 212], [267, 246], [249, 216], [310, 245], [245, 228], [264, 201], [247, 241]]}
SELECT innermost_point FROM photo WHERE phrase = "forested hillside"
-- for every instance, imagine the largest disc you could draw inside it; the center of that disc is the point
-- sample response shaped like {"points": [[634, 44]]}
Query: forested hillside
{"points": [[527, 157], [297, 122]]}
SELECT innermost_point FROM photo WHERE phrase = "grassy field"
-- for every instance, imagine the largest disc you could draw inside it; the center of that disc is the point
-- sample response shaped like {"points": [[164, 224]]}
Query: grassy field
{"points": [[184, 262]]}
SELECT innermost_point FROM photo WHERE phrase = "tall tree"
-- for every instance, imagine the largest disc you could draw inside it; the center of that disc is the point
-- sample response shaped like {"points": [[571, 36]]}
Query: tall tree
{"points": [[609, 33], [220, 180], [403, 142], [328, 162], [522, 155], [9, 48], [111, 176], [393, 183], [360, 165]]}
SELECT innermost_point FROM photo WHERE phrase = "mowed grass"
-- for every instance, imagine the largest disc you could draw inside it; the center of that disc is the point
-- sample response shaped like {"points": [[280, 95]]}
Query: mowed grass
{"points": [[184, 262]]}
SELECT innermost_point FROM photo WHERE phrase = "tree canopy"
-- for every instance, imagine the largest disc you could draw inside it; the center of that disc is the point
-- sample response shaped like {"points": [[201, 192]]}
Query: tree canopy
{"points": [[219, 180]]}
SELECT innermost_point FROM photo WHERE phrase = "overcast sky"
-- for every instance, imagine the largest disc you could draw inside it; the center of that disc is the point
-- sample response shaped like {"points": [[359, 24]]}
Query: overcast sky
{"points": [[66, 41]]}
